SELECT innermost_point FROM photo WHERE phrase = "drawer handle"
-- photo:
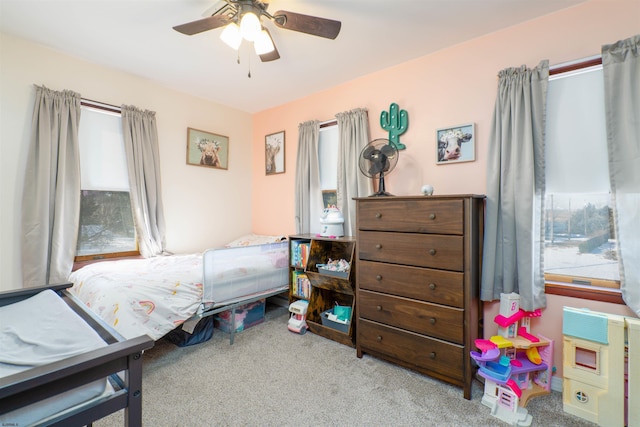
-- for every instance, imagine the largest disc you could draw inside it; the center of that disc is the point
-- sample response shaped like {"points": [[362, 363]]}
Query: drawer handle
{"points": [[432, 251], [432, 216], [378, 246], [378, 215], [432, 286], [379, 307], [432, 320], [379, 338], [378, 277], [433, 355]]}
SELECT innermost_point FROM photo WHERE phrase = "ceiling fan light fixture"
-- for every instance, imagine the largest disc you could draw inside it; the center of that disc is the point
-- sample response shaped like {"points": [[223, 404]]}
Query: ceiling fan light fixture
{"points": [[231, 36], [240, 20], [250, 26], [263, 43]]}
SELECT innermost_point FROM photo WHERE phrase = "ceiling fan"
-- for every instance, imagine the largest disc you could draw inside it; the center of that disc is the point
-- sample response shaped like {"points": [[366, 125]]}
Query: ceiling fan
{"points": [[241, 19]]}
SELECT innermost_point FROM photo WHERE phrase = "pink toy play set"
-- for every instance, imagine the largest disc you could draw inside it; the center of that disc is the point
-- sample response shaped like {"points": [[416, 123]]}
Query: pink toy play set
{"points": [[515, 364]]}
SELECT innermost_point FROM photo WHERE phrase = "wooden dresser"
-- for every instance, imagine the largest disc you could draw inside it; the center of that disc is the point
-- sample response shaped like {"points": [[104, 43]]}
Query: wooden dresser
{"points": [[417, 282]]}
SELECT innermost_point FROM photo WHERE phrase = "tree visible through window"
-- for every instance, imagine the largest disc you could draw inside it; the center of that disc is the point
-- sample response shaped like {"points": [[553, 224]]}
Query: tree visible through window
{"points": [[580, 239], [106, 223]]}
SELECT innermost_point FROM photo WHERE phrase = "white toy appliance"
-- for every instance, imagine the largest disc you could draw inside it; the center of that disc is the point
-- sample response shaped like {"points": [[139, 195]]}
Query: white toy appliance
{"points": [[298, 320], [332, 222]]}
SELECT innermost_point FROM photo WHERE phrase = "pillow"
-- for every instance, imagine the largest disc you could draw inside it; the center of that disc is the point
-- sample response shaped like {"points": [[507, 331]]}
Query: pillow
{"points": [[254, 239]]}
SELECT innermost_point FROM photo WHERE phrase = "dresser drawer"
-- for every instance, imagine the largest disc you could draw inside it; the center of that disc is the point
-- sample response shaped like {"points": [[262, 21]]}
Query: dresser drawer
{"points": [[424, 284], [423, 352], [421, 317], [412, 216], [421, 250]]}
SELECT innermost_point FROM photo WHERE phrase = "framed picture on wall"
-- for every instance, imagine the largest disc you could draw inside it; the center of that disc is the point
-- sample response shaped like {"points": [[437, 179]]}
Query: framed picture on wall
{"points": [[274, 153], [207, 149], [456, 144]]}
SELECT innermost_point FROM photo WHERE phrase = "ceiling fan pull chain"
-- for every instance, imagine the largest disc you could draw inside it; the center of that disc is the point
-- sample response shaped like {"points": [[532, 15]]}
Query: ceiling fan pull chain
{"points": [[249, 75]]}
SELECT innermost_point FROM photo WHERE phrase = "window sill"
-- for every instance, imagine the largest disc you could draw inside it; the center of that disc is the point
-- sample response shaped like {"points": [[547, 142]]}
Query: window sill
{"points": [[594, 293]]}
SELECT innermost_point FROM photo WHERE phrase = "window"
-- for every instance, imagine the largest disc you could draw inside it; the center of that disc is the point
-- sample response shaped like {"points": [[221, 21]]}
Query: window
{"points": [[328, 139], [579, 235], [106, 219], [328, 159]]}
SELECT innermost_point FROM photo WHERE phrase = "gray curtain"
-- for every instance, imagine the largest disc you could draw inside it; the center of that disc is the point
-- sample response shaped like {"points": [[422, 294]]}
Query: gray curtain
{"points": [[621, 69], [307, 186], [514, 240], [143, 163], [51, 198], [353, 128]]}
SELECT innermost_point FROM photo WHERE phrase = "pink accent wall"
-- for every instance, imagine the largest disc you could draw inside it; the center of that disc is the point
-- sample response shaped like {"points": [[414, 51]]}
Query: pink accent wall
{"points": [[450, 87]]}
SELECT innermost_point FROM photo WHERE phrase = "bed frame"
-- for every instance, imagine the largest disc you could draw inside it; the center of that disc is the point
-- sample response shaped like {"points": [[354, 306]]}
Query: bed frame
{"points": [[234, 304], [120, 356], [229, 299]]}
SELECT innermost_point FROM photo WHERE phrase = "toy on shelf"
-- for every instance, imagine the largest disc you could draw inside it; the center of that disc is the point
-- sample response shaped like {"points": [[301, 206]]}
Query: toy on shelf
{"points": [[298, 320], [515, 364]]}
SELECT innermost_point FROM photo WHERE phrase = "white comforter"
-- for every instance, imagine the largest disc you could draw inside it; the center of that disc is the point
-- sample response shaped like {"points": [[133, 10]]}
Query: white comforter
{"points": [[131, 297]]}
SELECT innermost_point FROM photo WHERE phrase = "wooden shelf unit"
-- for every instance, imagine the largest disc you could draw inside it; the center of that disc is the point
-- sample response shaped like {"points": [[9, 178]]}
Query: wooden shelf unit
{"points": [[326, 290]]}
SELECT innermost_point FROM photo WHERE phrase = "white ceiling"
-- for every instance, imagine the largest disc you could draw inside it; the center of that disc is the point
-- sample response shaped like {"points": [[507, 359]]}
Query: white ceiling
{"points": [[136, 36]]}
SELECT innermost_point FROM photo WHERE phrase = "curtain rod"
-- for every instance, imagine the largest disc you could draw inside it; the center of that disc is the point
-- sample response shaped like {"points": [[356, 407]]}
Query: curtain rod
{"points": [[564, 67], [100, 105], [328, 123]]}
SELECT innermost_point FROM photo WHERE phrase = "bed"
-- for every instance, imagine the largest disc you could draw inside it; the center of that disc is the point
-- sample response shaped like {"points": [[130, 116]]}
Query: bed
{"points": [[154, 296], [64, 376]]}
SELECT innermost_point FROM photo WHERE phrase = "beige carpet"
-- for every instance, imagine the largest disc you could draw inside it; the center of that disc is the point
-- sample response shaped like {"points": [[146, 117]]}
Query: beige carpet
{"points": [[273, 377]]}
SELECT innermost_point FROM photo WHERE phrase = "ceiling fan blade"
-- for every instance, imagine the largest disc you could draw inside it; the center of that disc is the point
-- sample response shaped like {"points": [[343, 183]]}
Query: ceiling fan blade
{"points": [[201, 25], [321, 27], [273, 55], [222, 7]]}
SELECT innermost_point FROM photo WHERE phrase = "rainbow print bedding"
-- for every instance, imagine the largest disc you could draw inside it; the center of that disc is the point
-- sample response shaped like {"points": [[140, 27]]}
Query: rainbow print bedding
{"points": [[152, 296], [142, 296]]}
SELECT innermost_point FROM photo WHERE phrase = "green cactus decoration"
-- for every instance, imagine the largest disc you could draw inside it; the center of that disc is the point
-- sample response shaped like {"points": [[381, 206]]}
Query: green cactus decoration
{"points": [[395, 122]]}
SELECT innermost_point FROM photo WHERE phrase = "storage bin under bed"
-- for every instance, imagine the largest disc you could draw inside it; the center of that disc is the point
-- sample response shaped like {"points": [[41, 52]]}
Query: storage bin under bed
{"points": [[246, 316]]}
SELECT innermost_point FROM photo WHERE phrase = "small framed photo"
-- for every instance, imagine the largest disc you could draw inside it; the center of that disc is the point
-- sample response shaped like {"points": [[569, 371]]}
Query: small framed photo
{"points": [[329, 198], [207, 149], [274, 153], [456, 144]]}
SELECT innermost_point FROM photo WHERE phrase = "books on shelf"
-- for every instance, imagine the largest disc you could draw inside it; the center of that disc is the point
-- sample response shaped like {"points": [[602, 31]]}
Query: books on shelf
{"points": [[300, 285], [299, 253]]}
